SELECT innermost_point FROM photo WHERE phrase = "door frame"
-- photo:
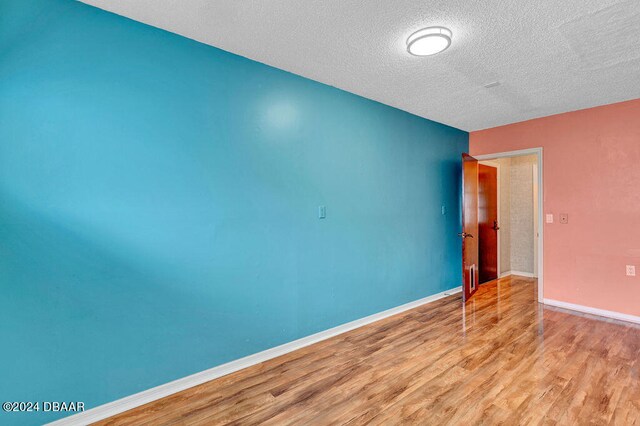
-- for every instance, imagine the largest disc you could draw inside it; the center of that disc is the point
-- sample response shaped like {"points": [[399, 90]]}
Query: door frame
{"points": [[495, 164], [538, 153], [536, 223]]}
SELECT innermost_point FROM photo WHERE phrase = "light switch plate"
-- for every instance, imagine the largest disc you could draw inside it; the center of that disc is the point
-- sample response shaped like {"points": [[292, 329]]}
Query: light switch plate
{"points": [[631, 270], [549, 218], [564, 218], [322, 212]]}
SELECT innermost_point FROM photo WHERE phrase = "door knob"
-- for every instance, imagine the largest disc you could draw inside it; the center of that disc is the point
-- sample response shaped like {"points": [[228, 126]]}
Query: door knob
{"points": [[464, 235], [495, 225]]}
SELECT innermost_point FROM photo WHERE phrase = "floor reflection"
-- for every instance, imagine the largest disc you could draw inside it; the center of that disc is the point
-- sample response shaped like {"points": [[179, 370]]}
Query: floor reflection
{"points": [[499, 358]]}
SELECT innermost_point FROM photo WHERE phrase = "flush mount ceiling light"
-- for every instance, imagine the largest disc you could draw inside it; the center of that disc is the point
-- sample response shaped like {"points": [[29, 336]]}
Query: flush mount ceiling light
{"points": [[429, 41]]}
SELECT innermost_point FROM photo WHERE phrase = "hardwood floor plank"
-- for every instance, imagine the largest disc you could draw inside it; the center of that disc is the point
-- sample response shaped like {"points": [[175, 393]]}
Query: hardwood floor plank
{"points": [[501, 358]]}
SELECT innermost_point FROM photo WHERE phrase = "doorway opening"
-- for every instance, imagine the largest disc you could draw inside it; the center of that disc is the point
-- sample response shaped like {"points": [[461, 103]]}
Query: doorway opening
{"points": [[510, 212]]}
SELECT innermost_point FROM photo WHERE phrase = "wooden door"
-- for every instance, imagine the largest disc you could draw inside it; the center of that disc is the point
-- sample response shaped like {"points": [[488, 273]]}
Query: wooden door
{"points": [[487, 223], [469, 232]]}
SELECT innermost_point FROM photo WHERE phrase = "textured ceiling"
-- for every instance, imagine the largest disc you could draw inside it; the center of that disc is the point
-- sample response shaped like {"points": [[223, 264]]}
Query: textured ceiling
{"points": [[548, 56]]}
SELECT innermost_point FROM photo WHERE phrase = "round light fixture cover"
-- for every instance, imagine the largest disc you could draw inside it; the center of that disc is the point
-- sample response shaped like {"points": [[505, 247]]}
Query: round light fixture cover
{"points": [[429, 41]]}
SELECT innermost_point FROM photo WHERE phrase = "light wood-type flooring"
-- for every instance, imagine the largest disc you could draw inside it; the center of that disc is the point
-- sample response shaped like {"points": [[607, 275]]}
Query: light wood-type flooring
{"points": [[500, 359]]}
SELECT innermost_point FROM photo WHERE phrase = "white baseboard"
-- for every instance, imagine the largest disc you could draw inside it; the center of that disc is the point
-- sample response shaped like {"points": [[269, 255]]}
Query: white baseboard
{"points": [[520, 273], [127, 403], [593, 311]]}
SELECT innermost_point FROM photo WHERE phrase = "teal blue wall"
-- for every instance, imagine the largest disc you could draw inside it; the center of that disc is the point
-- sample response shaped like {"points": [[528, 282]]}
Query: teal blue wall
{"points": [[159, 206]]}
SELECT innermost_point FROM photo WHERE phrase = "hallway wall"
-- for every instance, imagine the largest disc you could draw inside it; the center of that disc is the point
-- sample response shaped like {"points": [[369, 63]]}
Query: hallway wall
{"points": [[516, 214], [505, 214], [521, 213]]}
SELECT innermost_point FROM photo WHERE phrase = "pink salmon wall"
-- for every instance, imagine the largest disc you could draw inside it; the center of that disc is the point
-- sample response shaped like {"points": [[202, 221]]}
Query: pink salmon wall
{"points": [[591, 169]]}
